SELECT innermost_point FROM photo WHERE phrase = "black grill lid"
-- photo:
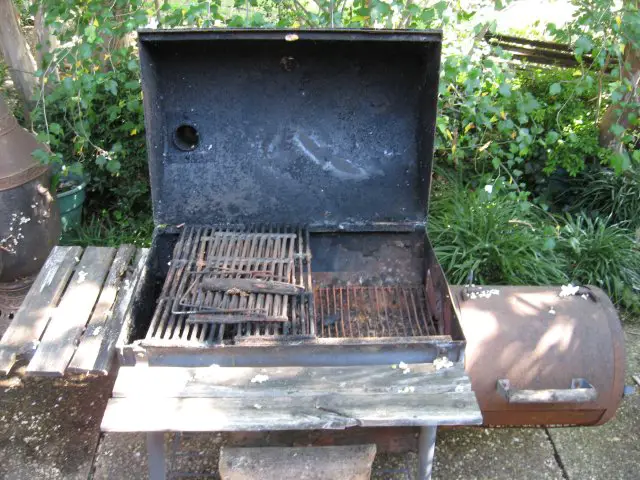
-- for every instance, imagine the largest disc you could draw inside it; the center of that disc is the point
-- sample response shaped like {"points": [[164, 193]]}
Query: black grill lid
{"points": [[330, 128]]}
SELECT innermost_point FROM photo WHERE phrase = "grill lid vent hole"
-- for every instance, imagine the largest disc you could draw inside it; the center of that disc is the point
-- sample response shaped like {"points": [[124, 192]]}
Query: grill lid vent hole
{"points": [[186, 137]]}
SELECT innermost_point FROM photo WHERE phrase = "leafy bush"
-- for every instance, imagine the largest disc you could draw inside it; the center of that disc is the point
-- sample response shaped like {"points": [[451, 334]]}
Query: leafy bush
{"points": [[602, 254], [497, 237]]}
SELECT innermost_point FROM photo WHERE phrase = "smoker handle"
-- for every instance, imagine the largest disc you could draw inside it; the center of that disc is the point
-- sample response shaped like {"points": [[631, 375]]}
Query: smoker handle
{"points": [[581, 391]]}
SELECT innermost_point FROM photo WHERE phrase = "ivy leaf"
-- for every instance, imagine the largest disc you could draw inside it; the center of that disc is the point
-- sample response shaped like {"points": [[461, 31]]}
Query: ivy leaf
{"points": [[101, 160], [41, 155], [555, 89], [111, 86], [440, 7], [620, 162], [113, 166], [505, 90], [428, 14], [55, 128], [617, 129], [583, 44], [84, 51], [90, 33], [552, 137]]}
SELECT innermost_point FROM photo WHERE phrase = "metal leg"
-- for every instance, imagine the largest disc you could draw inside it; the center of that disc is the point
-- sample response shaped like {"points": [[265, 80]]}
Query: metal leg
{"points": [[426, 448], [156, 456]]}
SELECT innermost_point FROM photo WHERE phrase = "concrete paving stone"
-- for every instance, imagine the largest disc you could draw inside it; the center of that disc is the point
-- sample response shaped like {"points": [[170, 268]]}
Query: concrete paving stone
{"points": [[49, 428], [498, 453], [123, 456], [611, 451]]}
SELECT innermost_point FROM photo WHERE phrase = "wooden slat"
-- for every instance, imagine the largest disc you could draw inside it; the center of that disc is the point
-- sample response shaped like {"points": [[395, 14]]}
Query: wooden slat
{"points": [[289, 413], [85, 357], [141, 276], [68, 321], [121, 314], [32, 317], [243, 382], [283, 398]]}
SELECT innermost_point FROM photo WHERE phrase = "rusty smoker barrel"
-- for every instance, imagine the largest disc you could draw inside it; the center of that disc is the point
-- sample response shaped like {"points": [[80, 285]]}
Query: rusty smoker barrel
{"points": [[29, 217], [537, 358]]}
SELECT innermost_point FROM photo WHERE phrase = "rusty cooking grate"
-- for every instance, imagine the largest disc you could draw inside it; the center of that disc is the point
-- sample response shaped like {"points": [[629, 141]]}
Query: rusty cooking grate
{"points": [[187, 312], [390, 311]]}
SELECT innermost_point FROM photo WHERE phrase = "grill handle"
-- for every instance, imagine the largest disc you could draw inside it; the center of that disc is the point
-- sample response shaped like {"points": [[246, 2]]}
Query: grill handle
{"points": [[581, 391]]}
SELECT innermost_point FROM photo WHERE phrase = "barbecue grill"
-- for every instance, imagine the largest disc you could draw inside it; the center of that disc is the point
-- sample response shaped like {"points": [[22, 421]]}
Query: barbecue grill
{"points": [[276, 162], [290, 176]]}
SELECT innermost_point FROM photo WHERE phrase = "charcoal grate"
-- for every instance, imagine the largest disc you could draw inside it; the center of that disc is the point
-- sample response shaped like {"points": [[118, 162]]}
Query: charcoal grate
{"points": [[277, 253], [390, 311]]}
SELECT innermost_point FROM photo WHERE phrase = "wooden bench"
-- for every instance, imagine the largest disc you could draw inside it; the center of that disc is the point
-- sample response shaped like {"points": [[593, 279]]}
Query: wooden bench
{"points": [[207, 399], [70, 320]]}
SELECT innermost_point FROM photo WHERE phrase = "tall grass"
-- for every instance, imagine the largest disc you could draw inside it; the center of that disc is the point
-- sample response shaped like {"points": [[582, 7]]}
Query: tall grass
{"points": [[602, 254], [603, 193], [492, 236]]}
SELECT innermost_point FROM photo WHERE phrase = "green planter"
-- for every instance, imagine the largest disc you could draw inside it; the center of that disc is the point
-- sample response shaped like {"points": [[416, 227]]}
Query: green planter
{"points": [[70, 204]]}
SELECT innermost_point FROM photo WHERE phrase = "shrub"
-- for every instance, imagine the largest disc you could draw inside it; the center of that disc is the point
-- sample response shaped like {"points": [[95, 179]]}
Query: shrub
{"points": [[492, 234], [602, 254]]}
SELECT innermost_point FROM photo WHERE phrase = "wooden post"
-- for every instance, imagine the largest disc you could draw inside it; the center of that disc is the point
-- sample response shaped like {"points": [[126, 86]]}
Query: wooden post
{"points": [[17, 53], [47, 42]]}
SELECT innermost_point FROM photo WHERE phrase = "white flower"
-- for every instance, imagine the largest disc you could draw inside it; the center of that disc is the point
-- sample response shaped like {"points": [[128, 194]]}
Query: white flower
{"points": [[488, 189]]}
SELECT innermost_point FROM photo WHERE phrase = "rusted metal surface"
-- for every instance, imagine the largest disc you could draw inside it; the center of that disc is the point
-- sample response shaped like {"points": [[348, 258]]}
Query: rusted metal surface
{"points": [[355, 312], [29, 217], [539, 342], [194, 307]]}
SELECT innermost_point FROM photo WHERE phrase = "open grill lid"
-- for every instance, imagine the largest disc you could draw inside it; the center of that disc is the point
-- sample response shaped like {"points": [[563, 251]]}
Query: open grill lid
{"points": [[329, 128]]}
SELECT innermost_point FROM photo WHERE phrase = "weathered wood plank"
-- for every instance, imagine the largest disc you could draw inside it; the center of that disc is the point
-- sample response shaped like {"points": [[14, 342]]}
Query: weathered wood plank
{"points": [[86, 354], [121, 314], [142, 276], [68, 321], [32, 317], [331, 411], [242, 382]]}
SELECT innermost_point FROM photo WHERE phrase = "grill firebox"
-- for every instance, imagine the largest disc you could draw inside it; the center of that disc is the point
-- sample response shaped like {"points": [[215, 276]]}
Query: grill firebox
{"points": [[187, 312]]}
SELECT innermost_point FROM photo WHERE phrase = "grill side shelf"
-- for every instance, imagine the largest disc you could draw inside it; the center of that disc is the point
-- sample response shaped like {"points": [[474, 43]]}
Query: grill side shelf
{"points": [[289, 398]]}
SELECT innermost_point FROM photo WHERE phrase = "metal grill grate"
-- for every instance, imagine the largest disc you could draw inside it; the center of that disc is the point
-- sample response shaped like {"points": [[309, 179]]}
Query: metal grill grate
{"points": [[268, 253], [395, 311]]}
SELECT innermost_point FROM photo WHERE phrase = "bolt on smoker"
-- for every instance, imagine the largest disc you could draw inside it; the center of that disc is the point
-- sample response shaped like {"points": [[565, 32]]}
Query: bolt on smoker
{"points": [[290, 266]]}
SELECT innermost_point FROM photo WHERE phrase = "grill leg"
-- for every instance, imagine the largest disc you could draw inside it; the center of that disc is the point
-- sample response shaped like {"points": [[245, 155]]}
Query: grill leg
{"points": [[426, 448], [156, 456]]}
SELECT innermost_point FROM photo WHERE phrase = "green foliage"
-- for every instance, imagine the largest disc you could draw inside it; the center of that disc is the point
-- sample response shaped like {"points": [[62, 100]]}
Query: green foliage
{"points": [[102, 230], [603, 34], [92, 118], [603, 193], [602, 254], [497, 237]]}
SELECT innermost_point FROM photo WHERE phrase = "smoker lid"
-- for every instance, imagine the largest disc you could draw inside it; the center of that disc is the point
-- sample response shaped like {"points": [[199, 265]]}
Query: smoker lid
{"points": [[330, 128]]}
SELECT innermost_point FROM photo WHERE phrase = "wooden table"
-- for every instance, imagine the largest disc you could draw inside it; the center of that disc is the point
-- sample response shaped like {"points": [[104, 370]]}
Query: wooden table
{"points": [[71, 318]]}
